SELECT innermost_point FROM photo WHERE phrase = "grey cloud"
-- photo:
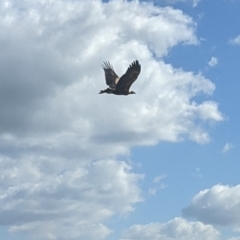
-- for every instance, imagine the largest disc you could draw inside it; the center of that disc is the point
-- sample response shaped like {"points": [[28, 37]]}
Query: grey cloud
{"points": [[219, 205]]}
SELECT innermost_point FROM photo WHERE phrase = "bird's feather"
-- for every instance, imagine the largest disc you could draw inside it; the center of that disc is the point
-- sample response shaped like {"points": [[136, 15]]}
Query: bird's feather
{"points": [[120, 86], [110, 76], [129, 77]]}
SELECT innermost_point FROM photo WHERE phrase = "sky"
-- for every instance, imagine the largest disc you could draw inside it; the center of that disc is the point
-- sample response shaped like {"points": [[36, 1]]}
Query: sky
{"points": [[162, 164]]}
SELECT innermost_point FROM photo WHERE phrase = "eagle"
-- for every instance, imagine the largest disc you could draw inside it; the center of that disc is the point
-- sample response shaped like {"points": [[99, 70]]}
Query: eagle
{"points": [[120, 86]]}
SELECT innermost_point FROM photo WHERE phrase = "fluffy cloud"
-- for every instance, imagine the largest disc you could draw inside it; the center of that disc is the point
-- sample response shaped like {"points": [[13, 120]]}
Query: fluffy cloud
{"points": [[219, 205], [65, 199], [213, 62], [178, 228], [54, 54], [59, 139]]}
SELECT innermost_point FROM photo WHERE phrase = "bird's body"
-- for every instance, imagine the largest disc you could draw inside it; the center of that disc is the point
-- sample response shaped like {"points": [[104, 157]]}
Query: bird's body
{"points": [[120, 86]]}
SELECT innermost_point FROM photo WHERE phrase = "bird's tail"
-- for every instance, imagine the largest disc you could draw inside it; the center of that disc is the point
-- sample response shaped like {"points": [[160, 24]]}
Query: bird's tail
{"points": [[108, 90]]}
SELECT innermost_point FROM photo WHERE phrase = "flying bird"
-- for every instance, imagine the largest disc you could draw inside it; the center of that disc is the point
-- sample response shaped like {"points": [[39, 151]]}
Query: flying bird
{"points": [[120, 86]]}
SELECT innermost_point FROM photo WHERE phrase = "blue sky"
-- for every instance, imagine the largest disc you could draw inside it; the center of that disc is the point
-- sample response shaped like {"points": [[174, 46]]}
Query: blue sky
{"points": [[162, 164]]}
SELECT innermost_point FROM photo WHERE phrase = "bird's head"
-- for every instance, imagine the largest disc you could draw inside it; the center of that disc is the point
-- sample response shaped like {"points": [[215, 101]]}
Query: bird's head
{"points": [[132, 92]]}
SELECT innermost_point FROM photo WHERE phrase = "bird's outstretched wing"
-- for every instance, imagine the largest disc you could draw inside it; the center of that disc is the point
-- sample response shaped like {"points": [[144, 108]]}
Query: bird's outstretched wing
{"points": [[129, 77], [110, 76]]}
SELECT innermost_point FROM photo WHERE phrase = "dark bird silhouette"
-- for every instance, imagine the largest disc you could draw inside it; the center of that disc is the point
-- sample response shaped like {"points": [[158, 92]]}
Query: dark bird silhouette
{"points": [[120, 86]]}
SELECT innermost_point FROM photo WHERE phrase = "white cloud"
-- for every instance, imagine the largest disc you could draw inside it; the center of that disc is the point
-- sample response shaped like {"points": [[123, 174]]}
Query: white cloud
{"points": [[59, 139], [159, 178], [235, 41], [219, 205], [227, 147], [178, 228], [157, 184], [213, 62], [196, 2], [66, 199]]}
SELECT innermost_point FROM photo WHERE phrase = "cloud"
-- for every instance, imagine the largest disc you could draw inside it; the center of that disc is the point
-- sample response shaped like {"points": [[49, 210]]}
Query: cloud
{"points": [[235, 41], [178, 228], [193, 2], [156, 184], [196, 2], [219, 205], [66, 199], [59, 139], [227, 147], [213, 62]]}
